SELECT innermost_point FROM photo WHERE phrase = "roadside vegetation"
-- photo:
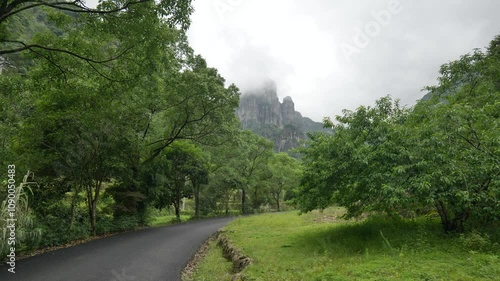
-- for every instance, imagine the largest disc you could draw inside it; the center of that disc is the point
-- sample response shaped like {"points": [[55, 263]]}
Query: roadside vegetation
{"points": [[121, 124], [323, 246]]}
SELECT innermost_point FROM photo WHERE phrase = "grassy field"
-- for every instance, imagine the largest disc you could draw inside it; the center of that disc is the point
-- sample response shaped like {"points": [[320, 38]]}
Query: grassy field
{"points": [[321, 246]]}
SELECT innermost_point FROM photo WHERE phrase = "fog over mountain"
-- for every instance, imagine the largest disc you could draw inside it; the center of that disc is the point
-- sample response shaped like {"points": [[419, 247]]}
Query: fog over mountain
{"points": [[262, 112], [331, 55]]}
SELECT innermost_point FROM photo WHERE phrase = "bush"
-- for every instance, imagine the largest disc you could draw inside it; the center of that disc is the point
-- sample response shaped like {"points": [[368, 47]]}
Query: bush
{"points": [[125, 223], [105, 225], [477, 242], [57, 229]]}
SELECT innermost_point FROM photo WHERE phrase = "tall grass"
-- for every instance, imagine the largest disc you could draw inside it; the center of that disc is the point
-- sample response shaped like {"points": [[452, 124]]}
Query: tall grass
{"points": [[25, 231]]}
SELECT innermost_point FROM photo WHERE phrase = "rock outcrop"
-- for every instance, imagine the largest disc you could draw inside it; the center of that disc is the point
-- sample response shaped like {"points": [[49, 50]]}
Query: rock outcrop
{"points": [[261, 112]]}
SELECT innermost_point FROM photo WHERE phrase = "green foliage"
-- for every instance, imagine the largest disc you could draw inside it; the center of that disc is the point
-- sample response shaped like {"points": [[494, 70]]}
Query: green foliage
{"points": [[352, 166], [179, 163], [479, 242], [462, 132], [174, 14], [286, 172], [251, 167], [108, 224], [95, 106], [56, 227], [442, 154]]}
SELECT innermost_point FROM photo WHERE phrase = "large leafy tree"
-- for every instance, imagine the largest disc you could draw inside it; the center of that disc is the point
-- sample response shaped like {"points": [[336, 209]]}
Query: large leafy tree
{"points": [[184, 163], [286, 173], [441, 154], [75, 131], [224, 178], [354, 166], [254, 154], [458, 145]]}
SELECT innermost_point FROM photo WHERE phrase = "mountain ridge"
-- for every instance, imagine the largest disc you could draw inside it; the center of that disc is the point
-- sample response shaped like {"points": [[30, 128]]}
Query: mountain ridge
{"points": [[262, 112]]}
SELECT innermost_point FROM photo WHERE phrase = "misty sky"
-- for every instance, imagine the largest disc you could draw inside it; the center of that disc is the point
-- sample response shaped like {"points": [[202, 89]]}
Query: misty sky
{"points": [[314, 51]]}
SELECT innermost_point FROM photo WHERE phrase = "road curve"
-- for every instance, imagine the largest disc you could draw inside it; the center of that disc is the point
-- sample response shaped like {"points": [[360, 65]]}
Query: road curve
{"points": [[154, 254]]}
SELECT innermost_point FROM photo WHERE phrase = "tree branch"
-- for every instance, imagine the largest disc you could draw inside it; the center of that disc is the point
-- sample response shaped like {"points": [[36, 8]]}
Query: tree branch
{"points": [[73, 6], [37, 46]]}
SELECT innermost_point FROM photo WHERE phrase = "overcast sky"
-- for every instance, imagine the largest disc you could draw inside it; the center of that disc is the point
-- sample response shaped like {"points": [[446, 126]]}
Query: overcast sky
{"points": [[331, 55]]}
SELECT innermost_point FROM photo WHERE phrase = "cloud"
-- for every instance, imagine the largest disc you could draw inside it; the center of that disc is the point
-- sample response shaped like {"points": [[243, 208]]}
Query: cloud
{"points": [[297, 43]]}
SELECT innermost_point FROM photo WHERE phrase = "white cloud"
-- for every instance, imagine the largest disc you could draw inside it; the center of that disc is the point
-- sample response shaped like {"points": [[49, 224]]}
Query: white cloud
{"points": [[297, 43]]}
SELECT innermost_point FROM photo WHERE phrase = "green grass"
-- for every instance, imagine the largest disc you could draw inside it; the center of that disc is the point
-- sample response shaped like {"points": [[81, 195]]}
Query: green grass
{"points": [[320, 246], [167, 219], [213, 267]]}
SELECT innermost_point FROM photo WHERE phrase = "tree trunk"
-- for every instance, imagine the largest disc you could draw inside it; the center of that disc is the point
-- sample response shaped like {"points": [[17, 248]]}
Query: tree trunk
{"points": [[177, 212], [226, 203], [92, 211], [93, 218], [74, 202], [177, 208], [177, 203], [243, 199], [92, 198], [196, 201], [455, 224], [278, 204]]}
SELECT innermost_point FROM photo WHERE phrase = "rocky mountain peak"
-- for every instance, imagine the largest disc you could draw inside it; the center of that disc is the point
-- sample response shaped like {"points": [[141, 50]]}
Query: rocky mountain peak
{"points": [[262, 112]]}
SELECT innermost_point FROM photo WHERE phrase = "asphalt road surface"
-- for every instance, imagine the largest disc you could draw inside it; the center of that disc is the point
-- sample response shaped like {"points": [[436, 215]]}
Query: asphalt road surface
{"points": [[155, 254]]}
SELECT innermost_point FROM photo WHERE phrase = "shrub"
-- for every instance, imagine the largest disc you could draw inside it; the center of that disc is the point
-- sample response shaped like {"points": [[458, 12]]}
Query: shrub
{"points": [[57, 228], [477, 241]]}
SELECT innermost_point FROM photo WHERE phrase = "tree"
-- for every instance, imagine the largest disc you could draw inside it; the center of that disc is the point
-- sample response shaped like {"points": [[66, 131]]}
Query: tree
{"points": [[224, 178], [354, 166], [254, 153], [75, 132], [184, 163], [441, 154], [198, 176], [200, 108], [459, 140], [285, 176]]}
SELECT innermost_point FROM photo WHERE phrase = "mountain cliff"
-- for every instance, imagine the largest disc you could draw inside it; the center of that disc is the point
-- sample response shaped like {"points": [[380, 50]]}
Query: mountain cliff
{"points": [[261, 112]]}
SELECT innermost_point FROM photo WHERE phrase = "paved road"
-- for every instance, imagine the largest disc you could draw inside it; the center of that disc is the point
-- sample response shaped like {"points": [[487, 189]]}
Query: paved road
{"points": [[156, 254]]}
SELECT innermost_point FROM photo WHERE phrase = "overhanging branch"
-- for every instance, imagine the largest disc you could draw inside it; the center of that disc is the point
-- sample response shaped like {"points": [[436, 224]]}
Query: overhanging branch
{"points": [[77, 6], [38, 46]]}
